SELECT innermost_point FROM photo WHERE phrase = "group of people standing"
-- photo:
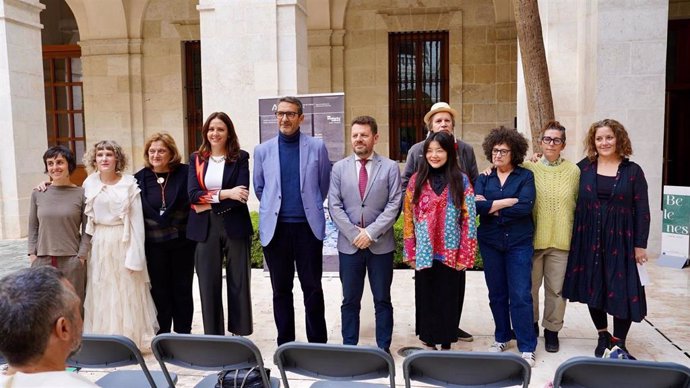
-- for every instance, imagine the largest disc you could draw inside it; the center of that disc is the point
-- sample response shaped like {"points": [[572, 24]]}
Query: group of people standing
{"points": [[580, 229], [130, 243]]}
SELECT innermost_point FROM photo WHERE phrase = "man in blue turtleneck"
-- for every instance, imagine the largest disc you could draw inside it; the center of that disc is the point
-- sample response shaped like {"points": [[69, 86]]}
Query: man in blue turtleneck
{"points": [[291, 178]]}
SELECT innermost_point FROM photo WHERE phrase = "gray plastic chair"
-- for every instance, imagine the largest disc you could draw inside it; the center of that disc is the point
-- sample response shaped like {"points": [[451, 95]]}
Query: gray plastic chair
{"points": [[466, 369], [112, 351], [590, 372], [210, 353], [333, 362]]}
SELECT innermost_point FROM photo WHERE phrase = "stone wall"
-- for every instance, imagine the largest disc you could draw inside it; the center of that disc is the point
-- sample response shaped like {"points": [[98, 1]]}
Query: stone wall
{"points": [[607, 59], [489, 70], [679, 9], [167, 24], [482, 61]]}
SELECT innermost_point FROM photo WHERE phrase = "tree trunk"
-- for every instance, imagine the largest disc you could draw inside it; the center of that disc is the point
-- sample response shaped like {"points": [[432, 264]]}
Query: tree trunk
{"points": [[539, 100]]}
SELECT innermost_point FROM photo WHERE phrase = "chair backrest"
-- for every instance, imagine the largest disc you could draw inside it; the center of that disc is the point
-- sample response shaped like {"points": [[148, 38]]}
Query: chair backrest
{"points": [[334, 362], [466, 369], [592, 372], [109, 351], [207, 352]]}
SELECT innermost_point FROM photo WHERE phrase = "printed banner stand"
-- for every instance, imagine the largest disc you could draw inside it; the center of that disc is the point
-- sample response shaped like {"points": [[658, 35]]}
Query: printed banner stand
{"points": [[675, 234]]}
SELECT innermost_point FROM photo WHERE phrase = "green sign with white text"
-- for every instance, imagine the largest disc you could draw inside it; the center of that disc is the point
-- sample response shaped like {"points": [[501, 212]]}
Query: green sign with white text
{"points": [[675, 226], [676, 214]]}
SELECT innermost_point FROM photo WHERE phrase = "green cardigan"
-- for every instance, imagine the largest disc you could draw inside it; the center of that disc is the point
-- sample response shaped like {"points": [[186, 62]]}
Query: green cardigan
{"points": [[554, 208]]}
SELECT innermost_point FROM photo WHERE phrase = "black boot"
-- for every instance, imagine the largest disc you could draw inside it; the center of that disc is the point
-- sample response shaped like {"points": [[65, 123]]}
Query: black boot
{"points": [[536, 329], [603, 343], [551, 343]]}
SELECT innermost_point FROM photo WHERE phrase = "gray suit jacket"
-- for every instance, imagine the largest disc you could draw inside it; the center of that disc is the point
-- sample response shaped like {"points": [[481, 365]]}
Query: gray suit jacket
{"points": [[315, 169], [379, 208]]}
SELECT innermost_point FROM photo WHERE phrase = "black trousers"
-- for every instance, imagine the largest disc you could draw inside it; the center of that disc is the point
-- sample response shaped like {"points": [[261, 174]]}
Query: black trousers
{"points": [[209, 268], [171, 269], [435, 301], [461, 294], [294, 245]]}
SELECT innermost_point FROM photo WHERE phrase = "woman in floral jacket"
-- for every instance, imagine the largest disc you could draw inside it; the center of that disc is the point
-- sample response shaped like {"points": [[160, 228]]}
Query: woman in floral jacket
{"points": [[440, 238]]}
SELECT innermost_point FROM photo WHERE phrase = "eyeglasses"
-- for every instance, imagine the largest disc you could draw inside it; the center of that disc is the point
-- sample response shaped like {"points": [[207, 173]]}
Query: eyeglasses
{"points": [[289, 115], [497, 151], [552, 140]]}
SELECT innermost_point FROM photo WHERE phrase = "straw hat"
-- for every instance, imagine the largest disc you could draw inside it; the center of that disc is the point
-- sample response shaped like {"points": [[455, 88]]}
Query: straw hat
{"points": [[440, 107]]}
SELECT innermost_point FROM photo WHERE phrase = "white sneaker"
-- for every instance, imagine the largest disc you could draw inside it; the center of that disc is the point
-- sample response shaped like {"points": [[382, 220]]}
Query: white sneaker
{"points": [[529, 357], [498, 347]]}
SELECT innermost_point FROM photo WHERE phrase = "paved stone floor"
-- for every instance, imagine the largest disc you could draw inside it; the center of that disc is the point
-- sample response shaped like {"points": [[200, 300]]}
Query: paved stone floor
{"points": [[663, 336]]}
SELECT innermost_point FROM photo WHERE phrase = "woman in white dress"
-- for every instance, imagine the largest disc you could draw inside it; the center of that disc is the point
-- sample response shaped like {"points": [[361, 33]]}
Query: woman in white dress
{"points": [[118, 298]]}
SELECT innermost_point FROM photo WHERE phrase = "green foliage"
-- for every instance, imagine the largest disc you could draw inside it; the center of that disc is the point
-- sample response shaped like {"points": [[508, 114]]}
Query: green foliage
{"points": [[257, 252], [258, 256], [398, 235]]}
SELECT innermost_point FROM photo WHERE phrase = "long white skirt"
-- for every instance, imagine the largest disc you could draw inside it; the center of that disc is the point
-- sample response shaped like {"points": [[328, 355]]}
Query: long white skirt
{"points": [[118, 301]]}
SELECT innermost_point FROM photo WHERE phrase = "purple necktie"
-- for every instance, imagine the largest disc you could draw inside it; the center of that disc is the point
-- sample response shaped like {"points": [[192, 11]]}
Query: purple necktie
{"points": [[363, 177]]}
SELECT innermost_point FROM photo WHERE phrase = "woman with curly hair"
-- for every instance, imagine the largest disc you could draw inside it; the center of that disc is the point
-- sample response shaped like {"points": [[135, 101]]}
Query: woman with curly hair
{"points": [[505, 199], [218, 186], [440, 239], [609, 235], [118, 300]]}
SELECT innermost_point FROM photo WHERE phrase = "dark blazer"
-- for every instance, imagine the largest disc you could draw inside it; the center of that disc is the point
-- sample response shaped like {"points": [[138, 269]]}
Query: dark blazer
{"points": [[176, 204], [235, 213]]}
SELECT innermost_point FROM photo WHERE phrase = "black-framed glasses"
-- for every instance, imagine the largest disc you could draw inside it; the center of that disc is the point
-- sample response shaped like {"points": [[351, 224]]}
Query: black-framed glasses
{"points": [[289, 115], [552, 140], [497, 151]]}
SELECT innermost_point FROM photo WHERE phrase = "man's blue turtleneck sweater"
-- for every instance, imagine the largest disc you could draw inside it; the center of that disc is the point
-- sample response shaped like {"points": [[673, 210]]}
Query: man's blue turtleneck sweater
{"points": [[291, 207]]}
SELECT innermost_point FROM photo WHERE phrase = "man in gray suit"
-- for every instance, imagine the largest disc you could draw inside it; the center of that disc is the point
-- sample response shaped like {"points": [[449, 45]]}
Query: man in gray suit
{"points": [[441, 117], [363, 200]]}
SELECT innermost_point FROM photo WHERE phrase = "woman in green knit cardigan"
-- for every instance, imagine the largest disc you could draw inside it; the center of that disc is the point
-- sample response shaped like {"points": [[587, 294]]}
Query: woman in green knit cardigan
{"points": [[556, 181]]}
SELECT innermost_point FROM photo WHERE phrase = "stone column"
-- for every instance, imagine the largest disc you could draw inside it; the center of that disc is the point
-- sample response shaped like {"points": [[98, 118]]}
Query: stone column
{"points": [[113, 95], [608, 60], [338, 61], [251, 49], [326, 49], [320, 66], [22, 112]]}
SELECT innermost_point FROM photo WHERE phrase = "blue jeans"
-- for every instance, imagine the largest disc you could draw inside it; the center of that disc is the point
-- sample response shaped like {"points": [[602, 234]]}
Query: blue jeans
{"points": [[352, 271], [508, 273]]}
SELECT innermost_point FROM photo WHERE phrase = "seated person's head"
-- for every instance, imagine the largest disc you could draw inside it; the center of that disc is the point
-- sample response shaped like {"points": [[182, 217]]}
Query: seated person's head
{"points": [[41, 321]]}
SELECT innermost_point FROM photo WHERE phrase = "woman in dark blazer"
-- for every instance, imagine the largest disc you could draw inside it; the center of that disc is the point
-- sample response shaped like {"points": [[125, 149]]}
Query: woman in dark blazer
{"points": [[169, 254], [219, 221]]}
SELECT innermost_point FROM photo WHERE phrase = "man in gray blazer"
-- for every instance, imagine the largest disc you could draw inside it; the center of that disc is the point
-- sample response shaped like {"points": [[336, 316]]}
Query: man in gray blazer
{"points": [[441, 117], [291, 175], [363, 200]]}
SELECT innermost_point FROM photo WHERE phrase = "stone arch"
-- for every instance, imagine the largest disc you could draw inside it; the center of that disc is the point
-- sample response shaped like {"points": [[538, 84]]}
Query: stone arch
{"points": [[106, 19]]}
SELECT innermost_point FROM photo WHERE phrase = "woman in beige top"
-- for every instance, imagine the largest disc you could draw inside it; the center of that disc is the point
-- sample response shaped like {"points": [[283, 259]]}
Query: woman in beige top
{"points": [[57, 222]]}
